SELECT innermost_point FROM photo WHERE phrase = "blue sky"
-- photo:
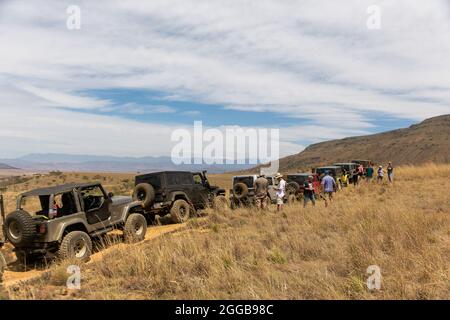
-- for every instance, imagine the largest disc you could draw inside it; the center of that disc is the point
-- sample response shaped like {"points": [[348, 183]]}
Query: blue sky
{"points": [[138, 70]]}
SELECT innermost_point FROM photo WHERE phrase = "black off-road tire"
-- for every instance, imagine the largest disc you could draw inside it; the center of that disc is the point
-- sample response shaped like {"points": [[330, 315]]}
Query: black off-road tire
{"points": [[144, 192], [20, 228], [293, 187], [76, 245], [220, 203], [135, 228], [240, 190], [180, 211]]}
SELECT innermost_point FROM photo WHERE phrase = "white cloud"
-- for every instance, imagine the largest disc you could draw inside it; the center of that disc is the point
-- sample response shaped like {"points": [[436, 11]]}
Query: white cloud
{"points": [[312, 59]]}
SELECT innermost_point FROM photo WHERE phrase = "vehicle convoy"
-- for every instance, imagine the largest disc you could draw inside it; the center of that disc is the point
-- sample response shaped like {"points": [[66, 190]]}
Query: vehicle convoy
{"points": [[243, 192], [177, 193], [2, 238], [62, 220], [295, 183]]}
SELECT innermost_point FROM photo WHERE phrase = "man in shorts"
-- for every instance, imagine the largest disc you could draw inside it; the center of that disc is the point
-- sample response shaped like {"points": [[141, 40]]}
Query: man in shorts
{"points": [[390, 172], [281, 191], [261, 186], [329, 185]]}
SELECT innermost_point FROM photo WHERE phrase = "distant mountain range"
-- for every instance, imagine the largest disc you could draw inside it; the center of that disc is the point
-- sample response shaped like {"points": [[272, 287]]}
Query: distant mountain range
{"points": [[428, 141], [89, 163], [4, 166]]}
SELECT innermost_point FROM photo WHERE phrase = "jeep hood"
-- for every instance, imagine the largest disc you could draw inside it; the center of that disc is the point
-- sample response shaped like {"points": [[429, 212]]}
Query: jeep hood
{"points": [[121, 200]]}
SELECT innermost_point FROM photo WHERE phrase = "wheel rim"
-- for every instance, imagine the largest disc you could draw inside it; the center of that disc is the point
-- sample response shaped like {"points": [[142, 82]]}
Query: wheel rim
{"points": [[80, 248], [14, 230], [138, 229], [184, 212], [141, 195]]}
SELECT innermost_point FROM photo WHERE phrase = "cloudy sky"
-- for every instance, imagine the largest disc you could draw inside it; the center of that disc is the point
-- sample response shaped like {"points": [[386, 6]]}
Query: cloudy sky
{"points": [[137, 70]]}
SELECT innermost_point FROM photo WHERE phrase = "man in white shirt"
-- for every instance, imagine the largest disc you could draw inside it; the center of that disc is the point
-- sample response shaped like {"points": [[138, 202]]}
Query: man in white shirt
{"points": [[281, 191]]}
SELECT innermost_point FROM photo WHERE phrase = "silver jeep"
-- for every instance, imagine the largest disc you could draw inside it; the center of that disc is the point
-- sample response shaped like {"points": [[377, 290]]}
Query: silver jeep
{"points": [[62, 220]]}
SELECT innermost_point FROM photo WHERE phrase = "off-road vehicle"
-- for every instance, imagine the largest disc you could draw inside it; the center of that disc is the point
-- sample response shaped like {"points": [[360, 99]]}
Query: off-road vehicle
{"points": [[349, 167], [63, 220], [178, 193], [334, 171], [242, 193], [295, 183], [365, 163], [2, 238]]}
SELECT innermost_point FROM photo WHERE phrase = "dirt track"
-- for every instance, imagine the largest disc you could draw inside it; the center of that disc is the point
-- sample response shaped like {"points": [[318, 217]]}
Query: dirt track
{"points": [[14, 277]]}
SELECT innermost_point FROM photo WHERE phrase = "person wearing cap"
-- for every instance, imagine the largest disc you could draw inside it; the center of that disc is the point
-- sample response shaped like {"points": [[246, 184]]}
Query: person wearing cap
{"points": [[390, 172], [261, 187], [329, 185], [380, 173], [308, 192], [281, 191]]}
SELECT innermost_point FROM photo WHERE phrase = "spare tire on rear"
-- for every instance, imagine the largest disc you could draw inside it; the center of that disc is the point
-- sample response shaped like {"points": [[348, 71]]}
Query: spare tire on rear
{"points": [[240, 190], [144, 192], [20, 228]]}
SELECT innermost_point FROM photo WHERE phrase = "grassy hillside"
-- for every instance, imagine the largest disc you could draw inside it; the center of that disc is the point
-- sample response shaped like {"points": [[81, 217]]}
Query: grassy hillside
{"points": [[308, 253], [425, 142]]}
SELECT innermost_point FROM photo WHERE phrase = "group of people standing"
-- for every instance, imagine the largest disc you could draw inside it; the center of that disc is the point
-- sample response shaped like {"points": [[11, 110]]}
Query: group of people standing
{"points": [[360, 172], [328, 183]]}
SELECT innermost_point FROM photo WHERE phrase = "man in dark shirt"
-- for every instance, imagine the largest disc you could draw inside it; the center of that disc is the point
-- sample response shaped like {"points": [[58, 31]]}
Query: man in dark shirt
{"points": [[369, 173], [308, 193]]}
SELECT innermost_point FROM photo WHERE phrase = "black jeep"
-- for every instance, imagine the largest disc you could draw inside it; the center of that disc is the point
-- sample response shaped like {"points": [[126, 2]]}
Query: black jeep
{"points": [[334, 171], [349, 167], [178, 193]]}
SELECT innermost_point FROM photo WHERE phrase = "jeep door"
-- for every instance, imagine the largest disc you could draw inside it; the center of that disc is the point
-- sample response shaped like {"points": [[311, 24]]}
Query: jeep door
{"points": [[200, 192], [95, 203]]}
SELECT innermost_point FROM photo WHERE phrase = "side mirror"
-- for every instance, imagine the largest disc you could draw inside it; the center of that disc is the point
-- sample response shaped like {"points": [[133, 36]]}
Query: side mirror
{"points": [[110, 195]]}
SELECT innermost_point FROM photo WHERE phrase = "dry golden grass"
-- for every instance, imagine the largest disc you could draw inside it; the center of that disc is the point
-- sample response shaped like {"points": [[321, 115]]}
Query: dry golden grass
{"points": [[312, 253]]}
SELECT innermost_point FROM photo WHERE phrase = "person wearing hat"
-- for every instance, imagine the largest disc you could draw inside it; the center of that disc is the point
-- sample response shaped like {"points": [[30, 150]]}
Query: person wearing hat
{"points": [[308, 192], [390, 172], [261, 187], [380, 173], [281, 191]]}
